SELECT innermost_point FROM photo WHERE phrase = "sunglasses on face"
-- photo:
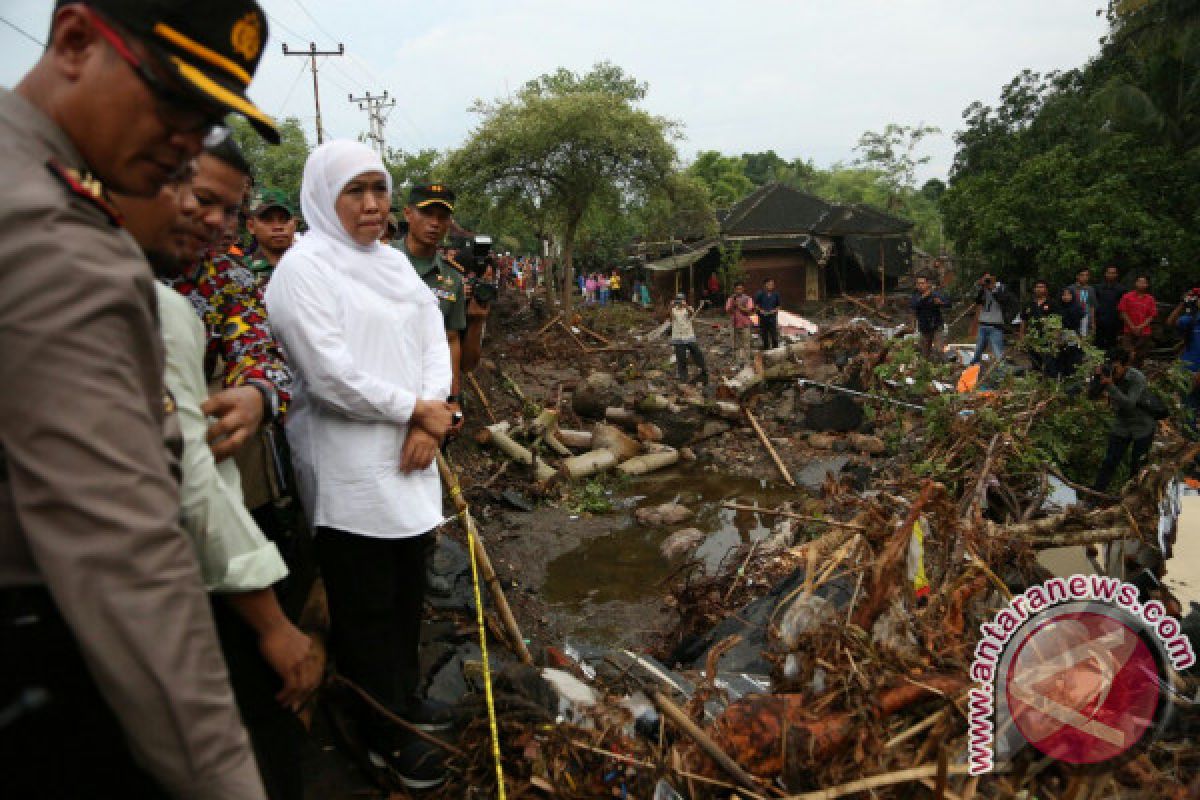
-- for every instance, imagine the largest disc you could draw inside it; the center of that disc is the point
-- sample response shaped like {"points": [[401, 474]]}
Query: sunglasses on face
{"points": [[177, 111]]}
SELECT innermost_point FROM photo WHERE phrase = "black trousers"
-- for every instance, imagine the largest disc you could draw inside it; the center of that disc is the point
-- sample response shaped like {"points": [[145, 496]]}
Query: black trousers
{"points": [[682, 349], [58, 738], [768, 329], [1107, 334], [1117, 445], [376, 592], [275, 733]]}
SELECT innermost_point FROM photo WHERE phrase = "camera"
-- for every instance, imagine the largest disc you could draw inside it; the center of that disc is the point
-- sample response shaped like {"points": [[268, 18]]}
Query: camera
{"points": [[474, 256], [1191, 301], [1095, 386]]}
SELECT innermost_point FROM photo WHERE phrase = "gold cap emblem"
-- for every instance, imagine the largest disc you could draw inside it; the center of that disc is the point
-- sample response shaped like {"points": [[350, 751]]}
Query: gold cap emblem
{"points": [[246, 36]]}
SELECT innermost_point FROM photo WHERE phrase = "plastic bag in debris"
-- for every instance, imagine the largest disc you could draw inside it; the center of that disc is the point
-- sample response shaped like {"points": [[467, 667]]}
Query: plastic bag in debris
{"points": [[574, 696], [802, 617]]}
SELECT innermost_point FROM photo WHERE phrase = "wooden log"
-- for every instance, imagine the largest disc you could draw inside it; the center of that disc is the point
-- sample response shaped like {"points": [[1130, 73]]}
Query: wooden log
{"points": [[739, 385], [500, 439], [640, 465], [622, 416], [580, 440], [589, 463], [656, 402], [1083, 538], [608, 437], [762, 436], [649, 432], [487, 407], [726, 410], [552, 441], [545, 423], [804, 351], [681, 720], [485, 562]]}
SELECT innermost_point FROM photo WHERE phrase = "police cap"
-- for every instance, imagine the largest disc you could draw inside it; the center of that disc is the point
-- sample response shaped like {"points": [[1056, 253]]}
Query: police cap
{"points": [[211, 48]]}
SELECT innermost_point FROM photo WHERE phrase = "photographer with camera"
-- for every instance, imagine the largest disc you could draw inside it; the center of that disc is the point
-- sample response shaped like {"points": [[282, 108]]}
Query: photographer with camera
{"points": [[1134, 424], [428, 215], [991, 317], [1186, 319]]}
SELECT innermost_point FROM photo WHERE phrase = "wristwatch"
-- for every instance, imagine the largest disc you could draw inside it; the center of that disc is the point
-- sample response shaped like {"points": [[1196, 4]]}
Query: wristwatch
{"points": [[270, 398], [454, 398]]}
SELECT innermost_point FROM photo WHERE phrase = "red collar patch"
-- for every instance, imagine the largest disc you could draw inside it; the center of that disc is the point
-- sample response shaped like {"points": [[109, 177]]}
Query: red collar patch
{"points": [[87, 187]]}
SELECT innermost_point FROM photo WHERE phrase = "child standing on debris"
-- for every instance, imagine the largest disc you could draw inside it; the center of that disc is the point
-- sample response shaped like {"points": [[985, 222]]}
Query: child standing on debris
{"points": [[739, 306], [766, 303], [683, 339], [927, 306]]}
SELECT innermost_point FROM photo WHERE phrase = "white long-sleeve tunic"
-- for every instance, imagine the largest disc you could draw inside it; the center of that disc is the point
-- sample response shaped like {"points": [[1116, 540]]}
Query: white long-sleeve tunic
{"points": [[362, 359]]}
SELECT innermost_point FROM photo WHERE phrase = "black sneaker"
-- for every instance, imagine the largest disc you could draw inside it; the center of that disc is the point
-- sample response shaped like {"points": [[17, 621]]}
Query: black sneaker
{"points": [[416, 764], [430, 715]]}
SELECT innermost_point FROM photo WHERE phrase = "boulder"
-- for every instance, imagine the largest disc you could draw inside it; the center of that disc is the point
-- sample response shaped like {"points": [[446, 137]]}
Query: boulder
{"points": [[601, 381], [682, 542], [871, 445], [835, 413], [665, 514]]}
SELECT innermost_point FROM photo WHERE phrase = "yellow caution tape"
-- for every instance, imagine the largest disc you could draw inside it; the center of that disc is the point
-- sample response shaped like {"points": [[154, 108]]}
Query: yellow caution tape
{"points": [[472, 536]]}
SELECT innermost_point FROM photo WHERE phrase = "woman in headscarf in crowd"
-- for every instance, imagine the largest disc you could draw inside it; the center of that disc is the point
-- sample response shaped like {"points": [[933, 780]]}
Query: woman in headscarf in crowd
{"points": [[366, 340], [1072, 314]]}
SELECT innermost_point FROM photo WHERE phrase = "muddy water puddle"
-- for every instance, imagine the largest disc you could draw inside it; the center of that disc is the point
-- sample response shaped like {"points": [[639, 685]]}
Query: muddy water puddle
{"points": [[606, 577]]}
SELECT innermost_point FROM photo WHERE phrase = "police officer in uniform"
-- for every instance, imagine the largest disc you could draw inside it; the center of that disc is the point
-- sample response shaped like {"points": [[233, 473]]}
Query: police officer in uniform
{"points": [[428, 216], [104, 622]]}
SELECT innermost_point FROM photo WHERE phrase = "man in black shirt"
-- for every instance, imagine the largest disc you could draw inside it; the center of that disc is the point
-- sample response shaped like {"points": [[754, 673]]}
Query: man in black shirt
{"points": [[1108, 319], [766, 303], [927, 305], [1032, 315]]}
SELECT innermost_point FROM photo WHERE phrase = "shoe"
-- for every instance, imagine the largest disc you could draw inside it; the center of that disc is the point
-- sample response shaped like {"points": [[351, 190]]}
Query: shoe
{"points": [[416, 764], [430, 715]]}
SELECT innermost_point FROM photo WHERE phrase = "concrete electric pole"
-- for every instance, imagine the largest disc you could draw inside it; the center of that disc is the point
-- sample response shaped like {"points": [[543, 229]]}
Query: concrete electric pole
{"points": [[376, 107], [312, 52]]}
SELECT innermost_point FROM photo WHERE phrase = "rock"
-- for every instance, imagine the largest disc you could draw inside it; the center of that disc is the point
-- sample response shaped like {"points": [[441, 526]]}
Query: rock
{"points": [[785, 409], [713, 427], [682, 542], [649, 432], [590, 403], [821, 441], [871, 445], [811, 397], [835, 413], [449, 576], [665, 514], [601, 381], [449, 684]]}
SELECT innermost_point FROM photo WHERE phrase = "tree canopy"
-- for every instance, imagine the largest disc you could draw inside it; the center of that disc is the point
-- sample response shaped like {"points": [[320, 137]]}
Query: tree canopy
{"points": [[563, 147], [1091, 166]]}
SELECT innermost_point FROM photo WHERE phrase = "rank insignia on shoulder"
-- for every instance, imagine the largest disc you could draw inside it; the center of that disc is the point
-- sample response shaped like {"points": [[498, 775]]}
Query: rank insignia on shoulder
{"points": [[168, 402], [87, 187]]}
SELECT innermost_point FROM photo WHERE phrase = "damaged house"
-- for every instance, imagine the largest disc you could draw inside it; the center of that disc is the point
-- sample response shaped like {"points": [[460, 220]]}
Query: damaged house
{"points": [[811, 247]]}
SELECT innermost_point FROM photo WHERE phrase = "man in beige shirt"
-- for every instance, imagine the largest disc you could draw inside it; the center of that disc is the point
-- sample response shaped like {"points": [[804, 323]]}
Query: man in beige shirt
{"points": [[94, 568]]}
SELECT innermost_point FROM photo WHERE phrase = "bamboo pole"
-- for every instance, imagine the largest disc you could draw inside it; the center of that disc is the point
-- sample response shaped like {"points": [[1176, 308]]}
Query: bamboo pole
{"points": [[650, 462], [482, 397], [485, 563], [710, 748], [779, 512], [762, 436], [589, 463]]}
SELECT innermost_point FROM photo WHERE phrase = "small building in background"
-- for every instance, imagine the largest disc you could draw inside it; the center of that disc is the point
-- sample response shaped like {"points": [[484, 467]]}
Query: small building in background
{"points": [[811, 247]]}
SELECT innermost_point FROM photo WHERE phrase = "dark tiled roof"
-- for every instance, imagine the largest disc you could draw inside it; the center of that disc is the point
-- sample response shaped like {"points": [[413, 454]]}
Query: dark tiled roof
{"points": [[860, 220], [775, 208]]}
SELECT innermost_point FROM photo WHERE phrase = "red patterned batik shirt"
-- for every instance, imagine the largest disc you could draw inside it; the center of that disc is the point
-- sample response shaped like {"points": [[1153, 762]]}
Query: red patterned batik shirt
{"points": [[240, 348]]}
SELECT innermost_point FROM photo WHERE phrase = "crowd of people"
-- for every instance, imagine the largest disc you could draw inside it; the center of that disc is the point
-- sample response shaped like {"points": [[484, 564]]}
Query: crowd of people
{"points": [[160, 322]]}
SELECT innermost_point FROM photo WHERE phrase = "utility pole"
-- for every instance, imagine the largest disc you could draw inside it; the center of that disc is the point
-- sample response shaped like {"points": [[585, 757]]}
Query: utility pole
{"points": [[376, 107], [312, 52]]}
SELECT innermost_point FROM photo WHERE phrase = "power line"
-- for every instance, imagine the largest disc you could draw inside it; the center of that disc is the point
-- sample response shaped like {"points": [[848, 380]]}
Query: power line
{"points": [[295, 83], [312, 52], [320, 27], [377, 108], [28, 36]]}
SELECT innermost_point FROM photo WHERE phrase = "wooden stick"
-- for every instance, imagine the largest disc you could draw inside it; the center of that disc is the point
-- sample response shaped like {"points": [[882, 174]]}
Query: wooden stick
{"points": [[593, 334], [710, 748], [482, 397], [485, 563], [391, 717], [779, 512], [762, 436], [578, 341], [1080, 538], [921, 726], [879, 781], [506, 444], [548, 325]]}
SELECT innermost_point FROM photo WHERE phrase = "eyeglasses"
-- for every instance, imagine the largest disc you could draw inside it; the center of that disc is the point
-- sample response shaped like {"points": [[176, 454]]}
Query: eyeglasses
{"points": [[178, 111]]}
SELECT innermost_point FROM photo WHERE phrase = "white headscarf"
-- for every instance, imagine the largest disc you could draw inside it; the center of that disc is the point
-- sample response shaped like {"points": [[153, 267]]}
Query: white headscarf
{"points": [[384, 269]]}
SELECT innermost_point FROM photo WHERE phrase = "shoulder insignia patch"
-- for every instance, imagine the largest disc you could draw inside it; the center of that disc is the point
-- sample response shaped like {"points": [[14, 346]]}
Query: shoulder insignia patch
{"points": [[455, 264], [87, 187]]}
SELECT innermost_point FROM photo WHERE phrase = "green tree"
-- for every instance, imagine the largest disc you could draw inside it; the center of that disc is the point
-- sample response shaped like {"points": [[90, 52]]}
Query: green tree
{"points": [[724, 176], [409, 169], [275, 166], [893, 154], [565, 142]]}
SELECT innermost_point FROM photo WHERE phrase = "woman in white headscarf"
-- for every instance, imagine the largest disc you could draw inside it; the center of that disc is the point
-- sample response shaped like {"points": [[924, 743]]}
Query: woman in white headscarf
{"points": [[366, 340]]}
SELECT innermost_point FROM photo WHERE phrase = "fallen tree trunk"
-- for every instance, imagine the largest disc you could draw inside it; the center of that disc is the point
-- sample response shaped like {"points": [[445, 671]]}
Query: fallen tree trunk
{"points": [[622, 416], [580, 440], [589, 463], [498, 438], [650, 462], [753, 730], [608, 437], [807, 350], [736, 387], [1082, 538]]}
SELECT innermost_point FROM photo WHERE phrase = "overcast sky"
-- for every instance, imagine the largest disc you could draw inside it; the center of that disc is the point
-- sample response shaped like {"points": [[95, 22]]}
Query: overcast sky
{"points": [[802, 77]]}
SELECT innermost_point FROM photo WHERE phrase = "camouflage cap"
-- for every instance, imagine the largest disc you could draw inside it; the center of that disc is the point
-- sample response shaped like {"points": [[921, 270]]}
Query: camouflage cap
{"points": [[264, 199]]}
